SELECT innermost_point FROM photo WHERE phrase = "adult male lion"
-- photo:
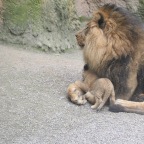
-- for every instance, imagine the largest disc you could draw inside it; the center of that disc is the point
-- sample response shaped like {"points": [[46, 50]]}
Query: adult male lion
{"points": [[113, 47]]}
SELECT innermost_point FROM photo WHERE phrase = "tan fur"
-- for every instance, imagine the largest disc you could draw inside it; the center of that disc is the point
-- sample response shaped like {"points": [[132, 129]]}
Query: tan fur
{"points": [[129, 106], [76, 94], [77, 90], [113, 34], [101, 90], [97, 91], [99, 48]]}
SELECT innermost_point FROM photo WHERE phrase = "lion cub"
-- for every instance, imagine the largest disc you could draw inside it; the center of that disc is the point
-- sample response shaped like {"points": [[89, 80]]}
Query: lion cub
{"points": [[96, 91], [98, 95]]}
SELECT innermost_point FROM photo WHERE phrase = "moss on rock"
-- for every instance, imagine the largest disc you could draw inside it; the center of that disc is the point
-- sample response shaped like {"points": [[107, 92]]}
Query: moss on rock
{"points": [[46, 24], [141, 9]]}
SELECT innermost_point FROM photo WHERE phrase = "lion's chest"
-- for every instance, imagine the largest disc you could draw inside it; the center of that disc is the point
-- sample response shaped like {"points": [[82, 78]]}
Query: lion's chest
{"points": [[117, 70], [95, 58]]}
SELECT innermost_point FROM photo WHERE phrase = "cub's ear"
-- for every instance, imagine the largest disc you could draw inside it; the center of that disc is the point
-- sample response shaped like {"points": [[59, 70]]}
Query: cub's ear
{"points": [[101, 22]]}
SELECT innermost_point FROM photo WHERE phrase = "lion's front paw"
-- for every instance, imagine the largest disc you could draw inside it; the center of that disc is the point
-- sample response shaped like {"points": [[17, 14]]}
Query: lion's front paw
{"points": [[78, 83], [84, 101]]}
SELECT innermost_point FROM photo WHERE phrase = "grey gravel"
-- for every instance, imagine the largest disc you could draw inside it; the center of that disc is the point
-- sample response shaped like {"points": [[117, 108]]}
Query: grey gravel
{"points": [[34, 108]]}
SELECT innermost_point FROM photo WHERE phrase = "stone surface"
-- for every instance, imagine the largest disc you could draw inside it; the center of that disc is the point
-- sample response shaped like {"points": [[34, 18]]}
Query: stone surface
{"points": [[86, 7]]}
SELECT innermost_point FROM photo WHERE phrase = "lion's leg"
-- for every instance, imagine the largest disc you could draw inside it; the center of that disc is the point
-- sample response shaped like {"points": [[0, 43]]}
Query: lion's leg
{"points": [[112, 97], [131, 83], [82, 86], [140, 98], [128, 106]]}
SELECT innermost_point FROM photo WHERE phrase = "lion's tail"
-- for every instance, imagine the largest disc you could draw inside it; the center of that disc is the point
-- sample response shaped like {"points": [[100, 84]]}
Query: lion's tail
{"points": [[128, 106]]}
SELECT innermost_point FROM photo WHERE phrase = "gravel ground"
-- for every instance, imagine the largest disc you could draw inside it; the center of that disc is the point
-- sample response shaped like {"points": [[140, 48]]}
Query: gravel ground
{"points": [[34, 108]]}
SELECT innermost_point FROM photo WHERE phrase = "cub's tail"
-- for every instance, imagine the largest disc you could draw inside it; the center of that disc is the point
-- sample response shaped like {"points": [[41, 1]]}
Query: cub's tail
{"points": [[128, 106]]}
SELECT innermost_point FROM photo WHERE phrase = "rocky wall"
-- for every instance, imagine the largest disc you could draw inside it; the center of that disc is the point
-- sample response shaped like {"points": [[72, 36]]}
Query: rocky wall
{"points": [[1, 13], [50, 25], [87, 7], [45, 24]]}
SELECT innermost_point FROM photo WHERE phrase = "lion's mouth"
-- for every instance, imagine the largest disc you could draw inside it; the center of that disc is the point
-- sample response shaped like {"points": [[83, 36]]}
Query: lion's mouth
{"points": [[81, 45], [80, 40]]}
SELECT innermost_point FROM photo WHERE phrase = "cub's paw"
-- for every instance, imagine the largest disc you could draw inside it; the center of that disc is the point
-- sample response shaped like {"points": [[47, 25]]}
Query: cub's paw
{"points": [[82, 101]]}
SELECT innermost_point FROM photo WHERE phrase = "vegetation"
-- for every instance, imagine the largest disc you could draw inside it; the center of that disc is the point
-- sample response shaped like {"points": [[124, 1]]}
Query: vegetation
{"points": [[141, 9], [19, 13], [45, 24]]}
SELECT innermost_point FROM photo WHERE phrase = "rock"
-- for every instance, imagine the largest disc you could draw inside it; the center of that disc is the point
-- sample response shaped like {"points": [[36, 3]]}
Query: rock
{"points": [[86, 7], [43, 24], [48, 24], [39, 44]]}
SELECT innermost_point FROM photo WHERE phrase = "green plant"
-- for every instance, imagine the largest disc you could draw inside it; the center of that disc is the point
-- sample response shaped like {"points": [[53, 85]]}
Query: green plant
{"points": [[141, 9], [19, 12]]}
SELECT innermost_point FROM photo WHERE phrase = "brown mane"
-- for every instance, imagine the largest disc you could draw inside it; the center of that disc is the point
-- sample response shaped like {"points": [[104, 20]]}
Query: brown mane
{"points": [[122, 33]]}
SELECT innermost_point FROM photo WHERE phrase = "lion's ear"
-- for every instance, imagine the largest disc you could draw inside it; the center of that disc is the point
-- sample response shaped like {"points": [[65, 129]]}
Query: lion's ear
{"points": [[101, 22]]}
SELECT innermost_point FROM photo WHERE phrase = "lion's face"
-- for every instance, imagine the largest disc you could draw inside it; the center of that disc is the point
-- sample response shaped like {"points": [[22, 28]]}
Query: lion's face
{"points": [[108, 35], [92, 29], [80, 36]]}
